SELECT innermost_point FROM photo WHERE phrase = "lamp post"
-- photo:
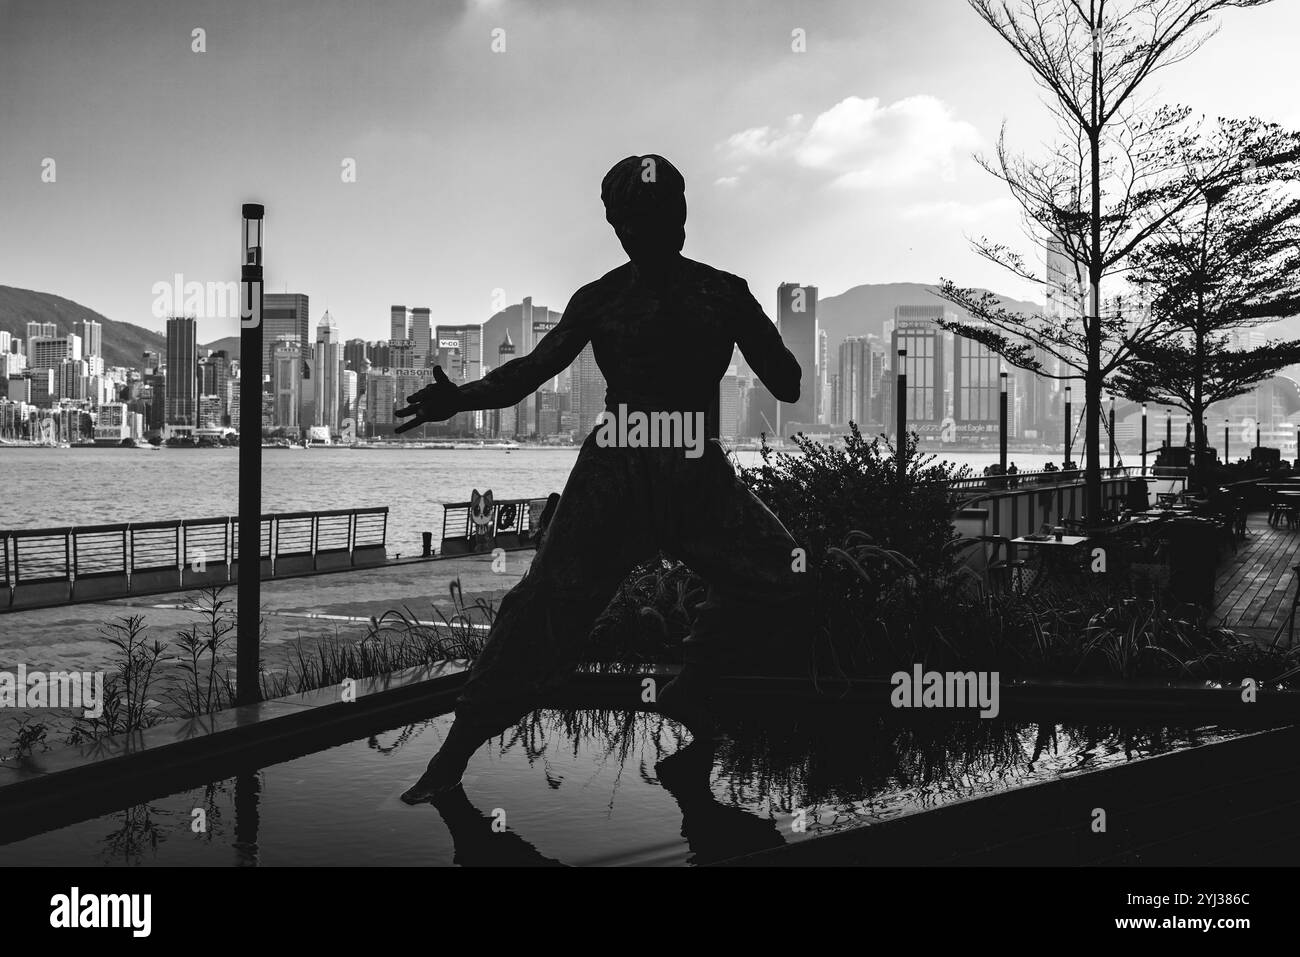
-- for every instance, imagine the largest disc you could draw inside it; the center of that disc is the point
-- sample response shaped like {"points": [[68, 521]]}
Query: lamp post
{"points": [[901, 415], [1144, 438], [1112, 432], [249, 591], [1169, 428], [1067, 427], [1227, 430], [1002, 422]]}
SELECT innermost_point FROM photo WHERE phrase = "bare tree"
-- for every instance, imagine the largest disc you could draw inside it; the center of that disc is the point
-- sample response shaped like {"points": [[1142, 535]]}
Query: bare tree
{"points": [[1112, 180], [1227, 264]]}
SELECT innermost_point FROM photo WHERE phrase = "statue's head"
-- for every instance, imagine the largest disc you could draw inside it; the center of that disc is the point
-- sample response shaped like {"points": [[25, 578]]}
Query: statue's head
{"points": [[645, 202]]}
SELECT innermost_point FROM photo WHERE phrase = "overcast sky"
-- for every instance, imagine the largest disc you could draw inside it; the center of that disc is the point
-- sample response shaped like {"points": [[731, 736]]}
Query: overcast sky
{"points": [[478, 171]]}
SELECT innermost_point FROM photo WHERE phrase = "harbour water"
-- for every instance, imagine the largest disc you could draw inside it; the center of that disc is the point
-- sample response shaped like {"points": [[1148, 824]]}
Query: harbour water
{"points": [[56, 487]]}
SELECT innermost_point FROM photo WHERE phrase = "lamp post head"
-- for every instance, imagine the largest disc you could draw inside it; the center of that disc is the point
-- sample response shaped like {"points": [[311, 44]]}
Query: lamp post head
{"points": [[253, 214]]}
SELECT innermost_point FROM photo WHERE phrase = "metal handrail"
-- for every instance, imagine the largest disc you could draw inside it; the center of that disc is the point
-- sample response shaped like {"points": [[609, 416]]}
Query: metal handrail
{"points": [[180, 548]]}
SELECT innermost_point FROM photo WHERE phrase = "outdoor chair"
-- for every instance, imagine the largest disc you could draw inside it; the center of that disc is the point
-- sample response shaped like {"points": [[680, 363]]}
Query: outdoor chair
{"points": [[1283, 507], [1007, 573]]}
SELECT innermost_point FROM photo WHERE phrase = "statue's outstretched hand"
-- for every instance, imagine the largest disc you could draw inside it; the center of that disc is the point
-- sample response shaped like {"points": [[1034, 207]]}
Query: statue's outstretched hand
{"points": [[436, 402]]}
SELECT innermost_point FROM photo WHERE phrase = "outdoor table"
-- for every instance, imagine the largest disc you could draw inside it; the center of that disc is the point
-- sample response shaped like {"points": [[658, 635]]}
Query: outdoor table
{"points": [[1055, 555]]}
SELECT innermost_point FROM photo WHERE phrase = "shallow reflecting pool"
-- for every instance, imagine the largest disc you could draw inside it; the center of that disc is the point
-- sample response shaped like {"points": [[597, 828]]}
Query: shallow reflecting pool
{"points": [[596, 787]]}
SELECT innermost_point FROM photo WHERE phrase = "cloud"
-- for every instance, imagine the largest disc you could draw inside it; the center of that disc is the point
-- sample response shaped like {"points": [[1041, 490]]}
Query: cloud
{"points": [[859, 144], [964, 214]]}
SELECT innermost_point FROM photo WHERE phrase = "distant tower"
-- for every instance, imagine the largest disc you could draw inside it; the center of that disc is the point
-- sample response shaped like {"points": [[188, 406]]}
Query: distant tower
{"points": [[797, 320], [507, 419], [397, 323], [328, 359], [181, 390]]}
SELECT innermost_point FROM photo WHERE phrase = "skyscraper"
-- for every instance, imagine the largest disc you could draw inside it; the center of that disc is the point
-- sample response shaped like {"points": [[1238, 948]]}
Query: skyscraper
{"points": [[44, 352], [356, 355], [916, 330], [588, 391], [823, 378], [41, 330], [421, 337], [976, 386], [507, 419], [467, 341], [729, 406], [286, 381], [797, 320], [182, 372], [856, 381], [326, 383], [397, 323], [92, 337], [284, 314]]}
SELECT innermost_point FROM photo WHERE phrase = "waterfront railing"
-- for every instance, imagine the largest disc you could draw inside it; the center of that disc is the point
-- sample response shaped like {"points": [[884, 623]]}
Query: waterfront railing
{"points": [[510, 525], [53, 566]]}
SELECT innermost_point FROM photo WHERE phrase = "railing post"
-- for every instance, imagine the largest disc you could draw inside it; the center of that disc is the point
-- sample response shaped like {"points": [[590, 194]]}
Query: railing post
{"points": [[70, 561], [315, 532]]}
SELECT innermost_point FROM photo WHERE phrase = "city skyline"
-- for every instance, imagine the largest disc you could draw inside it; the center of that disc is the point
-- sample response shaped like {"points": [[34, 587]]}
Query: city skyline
{"points": [[844, 164]]}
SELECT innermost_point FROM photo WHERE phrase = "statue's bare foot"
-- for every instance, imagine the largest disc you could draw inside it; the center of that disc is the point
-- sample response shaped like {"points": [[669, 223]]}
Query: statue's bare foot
{"points": [[442, 777]]}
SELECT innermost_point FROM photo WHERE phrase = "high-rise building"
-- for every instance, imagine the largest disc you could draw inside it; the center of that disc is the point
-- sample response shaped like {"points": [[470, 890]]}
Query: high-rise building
{"points": [[284, 314], [45, 352], [232, 402], [976, 387], [92, 337], [421, 337], [401, 354], [327, 363], [211, 411], [587, 391], [214, 374], [11, 364], [42, 330], [857, 381], [73, 380], [797, 319], [182, 371], [286, 381], [916, 330], [506, 420], [468, 341], [356, 355], [823, 378], [397, 328], [6, 342], [729, 406], [348, 398]]}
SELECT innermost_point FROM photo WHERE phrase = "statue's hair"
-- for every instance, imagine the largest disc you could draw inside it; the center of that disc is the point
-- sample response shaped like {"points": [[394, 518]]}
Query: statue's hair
{"points": [[644, 184]]}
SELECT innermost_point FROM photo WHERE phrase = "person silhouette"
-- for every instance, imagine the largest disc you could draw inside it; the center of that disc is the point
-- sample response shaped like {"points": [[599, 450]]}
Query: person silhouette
{"points": [[662, 328]]}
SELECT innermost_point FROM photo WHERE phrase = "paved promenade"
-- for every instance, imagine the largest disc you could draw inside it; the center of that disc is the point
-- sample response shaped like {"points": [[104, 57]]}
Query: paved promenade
{"points": [[338, 603]]}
